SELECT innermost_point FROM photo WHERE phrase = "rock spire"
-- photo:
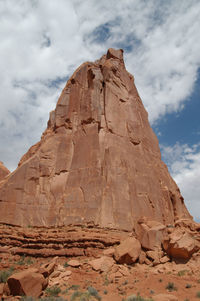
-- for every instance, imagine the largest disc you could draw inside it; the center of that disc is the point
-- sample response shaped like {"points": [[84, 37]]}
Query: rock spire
{"points": [[97, 162]]}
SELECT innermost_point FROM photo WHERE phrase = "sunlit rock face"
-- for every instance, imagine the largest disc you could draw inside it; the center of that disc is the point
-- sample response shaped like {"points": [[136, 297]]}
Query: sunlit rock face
{"points": [[97, 162]]}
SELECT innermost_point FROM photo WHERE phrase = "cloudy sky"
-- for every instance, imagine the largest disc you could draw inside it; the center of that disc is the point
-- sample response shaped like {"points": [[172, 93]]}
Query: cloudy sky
{"points": [[44, 41]]}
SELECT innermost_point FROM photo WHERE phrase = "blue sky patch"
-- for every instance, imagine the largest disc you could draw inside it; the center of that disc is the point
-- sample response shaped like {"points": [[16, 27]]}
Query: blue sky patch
{"points": [[57, 81], [184, 126], [101, 33]]}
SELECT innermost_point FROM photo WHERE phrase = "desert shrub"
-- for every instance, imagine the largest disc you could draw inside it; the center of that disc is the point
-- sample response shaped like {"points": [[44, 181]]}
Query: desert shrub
{"points": [[74, 287], [4, 275], [106, 280], [182, 272], [171, 287], [53, 291], [198, 294], [188, 285], [29, 261], [125, 282], [93, 292], [75, 295], [65, 265], [22, 260]]}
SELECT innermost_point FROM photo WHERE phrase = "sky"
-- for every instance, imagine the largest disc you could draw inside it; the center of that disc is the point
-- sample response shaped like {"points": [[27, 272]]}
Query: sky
{"points": [[44, 41]]}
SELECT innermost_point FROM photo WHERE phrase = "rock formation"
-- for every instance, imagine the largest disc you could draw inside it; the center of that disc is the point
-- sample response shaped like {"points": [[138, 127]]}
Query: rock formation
{"points": [[3, 171], [97, 162]]}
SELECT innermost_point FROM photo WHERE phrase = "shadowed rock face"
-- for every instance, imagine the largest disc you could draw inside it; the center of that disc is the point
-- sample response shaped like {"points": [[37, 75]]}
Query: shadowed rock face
{"points": [[98, 160], [3, 171]]}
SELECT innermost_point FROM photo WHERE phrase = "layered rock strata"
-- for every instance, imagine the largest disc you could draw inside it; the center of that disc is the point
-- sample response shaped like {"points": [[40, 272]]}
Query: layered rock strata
{"points": [[65, 241], [98, 160]]}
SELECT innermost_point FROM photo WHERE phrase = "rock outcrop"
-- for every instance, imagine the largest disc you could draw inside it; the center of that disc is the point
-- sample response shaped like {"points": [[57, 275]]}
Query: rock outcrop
{"points": [[3, 171], [98, 160]]}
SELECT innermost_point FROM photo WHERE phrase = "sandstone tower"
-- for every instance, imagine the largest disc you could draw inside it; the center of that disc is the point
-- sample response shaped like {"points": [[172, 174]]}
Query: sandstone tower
{"points": [[97, 162]]}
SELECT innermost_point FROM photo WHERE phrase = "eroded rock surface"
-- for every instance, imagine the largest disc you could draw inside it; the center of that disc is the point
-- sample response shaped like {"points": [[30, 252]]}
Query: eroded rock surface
{"points": [[98, 160]]}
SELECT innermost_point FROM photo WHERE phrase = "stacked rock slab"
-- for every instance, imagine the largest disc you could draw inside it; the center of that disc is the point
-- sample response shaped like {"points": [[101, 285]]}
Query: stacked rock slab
{"points": [[98, 160]]}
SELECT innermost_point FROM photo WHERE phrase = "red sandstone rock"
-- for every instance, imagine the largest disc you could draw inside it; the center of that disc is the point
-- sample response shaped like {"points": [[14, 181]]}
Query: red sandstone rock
{"points": [[98, 161], [3, 171], [109, 252], [1, 289], [128, 251], [150, 233], [74, 263], [180, 244], [102, 264], [164, 259], [27, 283], [48, 268], [142, 257]]}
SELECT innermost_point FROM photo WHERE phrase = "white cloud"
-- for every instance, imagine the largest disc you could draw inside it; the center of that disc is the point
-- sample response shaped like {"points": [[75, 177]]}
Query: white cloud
{"points": [[43, 41], [184, 162]]}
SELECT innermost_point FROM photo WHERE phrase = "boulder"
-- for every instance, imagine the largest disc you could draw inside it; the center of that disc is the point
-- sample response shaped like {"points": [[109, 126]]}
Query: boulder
{"points": [[27, 283], [181, 244], [150, 233], [102, 264], [164, 259], [128, 251], [154, 256], [74, 263], [47, 268]]}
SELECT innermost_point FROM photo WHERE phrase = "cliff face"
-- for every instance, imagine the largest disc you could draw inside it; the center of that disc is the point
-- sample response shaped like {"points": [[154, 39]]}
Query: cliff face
{"points": [[98, 160]]}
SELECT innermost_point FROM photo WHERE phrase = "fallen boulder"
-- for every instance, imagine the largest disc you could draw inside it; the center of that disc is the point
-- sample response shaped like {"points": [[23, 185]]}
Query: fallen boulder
{"points": [[102, 264], [27, 283], [180, 244], [48, 268], [150, 233], [128, 251], [74, 263]]}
